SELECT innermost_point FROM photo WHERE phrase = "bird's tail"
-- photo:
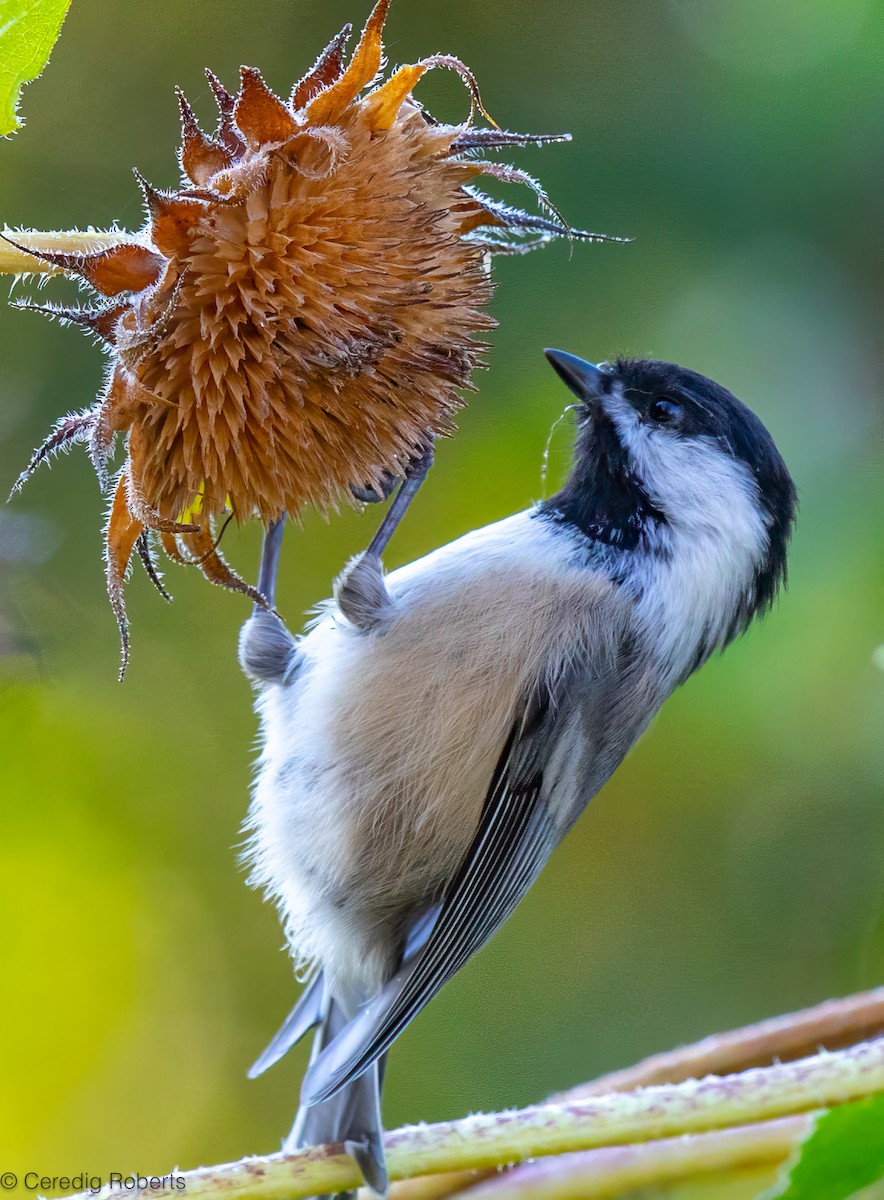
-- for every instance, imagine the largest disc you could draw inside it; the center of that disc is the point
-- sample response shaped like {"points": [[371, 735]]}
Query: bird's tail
{"points": [[351, 1116]]}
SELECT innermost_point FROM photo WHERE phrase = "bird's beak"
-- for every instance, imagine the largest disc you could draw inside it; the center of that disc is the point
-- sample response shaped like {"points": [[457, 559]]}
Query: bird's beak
{"points": [[584, 379]]}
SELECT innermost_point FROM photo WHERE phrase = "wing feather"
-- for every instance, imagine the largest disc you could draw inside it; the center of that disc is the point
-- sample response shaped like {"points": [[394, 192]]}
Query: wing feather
{"points": [[514, 839], [307, 1013]]}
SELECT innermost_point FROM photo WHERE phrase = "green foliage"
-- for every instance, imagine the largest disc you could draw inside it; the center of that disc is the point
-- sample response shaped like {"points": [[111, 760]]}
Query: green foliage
{"points": [[28, 31], [845, 1152]]}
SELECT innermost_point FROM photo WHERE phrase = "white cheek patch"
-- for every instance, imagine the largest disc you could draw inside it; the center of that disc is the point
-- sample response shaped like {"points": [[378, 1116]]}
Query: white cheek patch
{"points": [[715, 536]]}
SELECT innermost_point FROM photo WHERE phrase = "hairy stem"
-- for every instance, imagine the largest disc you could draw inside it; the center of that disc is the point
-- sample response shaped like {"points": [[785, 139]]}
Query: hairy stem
{"points": [[829, 1026], [670, 1110], [72, 241], [592, 1174]]}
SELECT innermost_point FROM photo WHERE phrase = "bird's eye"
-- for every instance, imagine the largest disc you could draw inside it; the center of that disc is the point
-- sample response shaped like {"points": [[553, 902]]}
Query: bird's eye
{"points": [[664, 411]]}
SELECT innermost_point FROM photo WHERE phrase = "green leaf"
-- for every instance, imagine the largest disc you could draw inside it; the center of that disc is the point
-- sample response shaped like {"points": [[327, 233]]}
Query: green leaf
{"points": [[28, 31], [843, 1153]]}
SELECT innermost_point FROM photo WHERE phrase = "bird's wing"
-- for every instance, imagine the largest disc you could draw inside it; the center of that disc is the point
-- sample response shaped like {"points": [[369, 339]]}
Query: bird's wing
{"points": [[515, 837]]}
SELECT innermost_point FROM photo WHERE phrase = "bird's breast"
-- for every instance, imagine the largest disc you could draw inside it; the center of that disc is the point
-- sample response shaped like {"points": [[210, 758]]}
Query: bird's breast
{"points": [[377, 762]]}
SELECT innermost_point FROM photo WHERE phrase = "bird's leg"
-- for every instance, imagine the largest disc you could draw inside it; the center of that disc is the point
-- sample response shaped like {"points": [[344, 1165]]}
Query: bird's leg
{"points": [[270, 552], [267, 651], [409, 488], [360, 590]]}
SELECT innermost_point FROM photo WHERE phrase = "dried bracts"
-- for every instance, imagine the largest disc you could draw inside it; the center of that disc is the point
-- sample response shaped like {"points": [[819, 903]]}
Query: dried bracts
{"points": [[298, 320]]}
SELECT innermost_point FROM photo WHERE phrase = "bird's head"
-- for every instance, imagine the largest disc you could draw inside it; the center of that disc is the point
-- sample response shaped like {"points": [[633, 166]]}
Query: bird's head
{"points": [[672, 466]]}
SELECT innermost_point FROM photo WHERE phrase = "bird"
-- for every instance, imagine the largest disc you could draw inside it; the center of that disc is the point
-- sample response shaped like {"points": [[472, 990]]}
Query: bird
{"points": [[434, 735]]}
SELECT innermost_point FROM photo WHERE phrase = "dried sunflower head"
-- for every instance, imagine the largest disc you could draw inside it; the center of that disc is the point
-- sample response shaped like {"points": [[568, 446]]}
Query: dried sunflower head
{"points": [[298, 320]]}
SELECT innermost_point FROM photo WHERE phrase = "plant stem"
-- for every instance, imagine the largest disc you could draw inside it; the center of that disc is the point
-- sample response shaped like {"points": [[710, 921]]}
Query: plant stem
{"points": [[592, 1174], [71, 241], [670, 1110], [829, 1026]]}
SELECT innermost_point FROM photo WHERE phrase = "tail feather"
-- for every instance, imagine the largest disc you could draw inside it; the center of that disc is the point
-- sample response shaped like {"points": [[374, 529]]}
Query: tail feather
{"points": [[306, 1013], [351, 1116]]}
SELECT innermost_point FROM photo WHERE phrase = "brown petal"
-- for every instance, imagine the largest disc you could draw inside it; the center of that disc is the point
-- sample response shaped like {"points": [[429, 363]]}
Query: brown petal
{"points": [[100, 446], [121, 533], [125, 268], [70, 429], [382, 106], [145, 554], [100, 321], [364, 65], [171, 219], [324, 72], [481, 217], [170, 546], [128, 267], [200, 156], [226, 133], [260, 114], [201, 545]]}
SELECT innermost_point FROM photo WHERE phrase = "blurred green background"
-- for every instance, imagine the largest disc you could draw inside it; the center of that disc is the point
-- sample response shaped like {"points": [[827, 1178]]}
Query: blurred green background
{"points": [[733, 868]]}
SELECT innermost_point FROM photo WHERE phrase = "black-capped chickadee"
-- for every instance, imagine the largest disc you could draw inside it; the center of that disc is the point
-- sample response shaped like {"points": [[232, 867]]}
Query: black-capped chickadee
{"points": [[439, 730]]}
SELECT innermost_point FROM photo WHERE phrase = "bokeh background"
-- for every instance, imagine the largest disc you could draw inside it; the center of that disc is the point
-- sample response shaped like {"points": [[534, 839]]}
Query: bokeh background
{"points": [[733, 867]]}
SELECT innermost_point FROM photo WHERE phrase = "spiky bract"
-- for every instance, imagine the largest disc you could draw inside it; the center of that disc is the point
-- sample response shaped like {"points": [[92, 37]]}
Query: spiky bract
{"points": [[298, 319]]}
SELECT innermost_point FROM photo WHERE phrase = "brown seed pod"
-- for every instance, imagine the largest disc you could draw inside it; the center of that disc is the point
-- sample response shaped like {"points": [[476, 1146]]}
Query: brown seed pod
{"points": [[299, 318]]}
